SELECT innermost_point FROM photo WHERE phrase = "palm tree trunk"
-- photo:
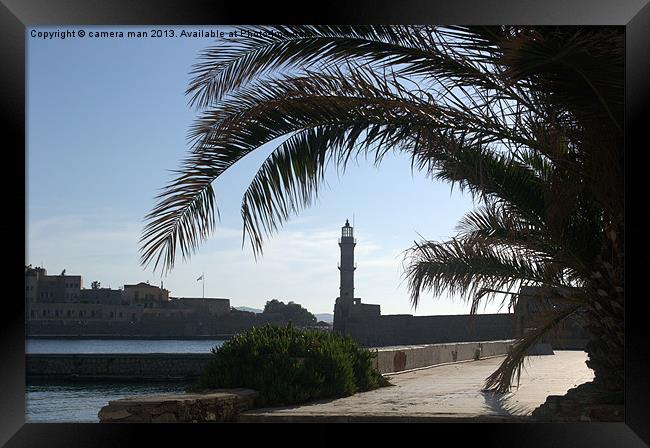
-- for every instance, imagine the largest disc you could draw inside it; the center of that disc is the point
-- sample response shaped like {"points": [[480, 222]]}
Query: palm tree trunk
{"points": [[603, 398], [606, 320], [606, 350]]}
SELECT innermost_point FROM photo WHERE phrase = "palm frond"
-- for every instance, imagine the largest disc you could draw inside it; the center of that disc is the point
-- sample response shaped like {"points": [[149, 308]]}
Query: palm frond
{"points": [[409, 50], [289, 178], [509, 371], [486, 175], [497, 223], [467, 267], [267, 49], [183, 217], [365, 110], [580, 68]]}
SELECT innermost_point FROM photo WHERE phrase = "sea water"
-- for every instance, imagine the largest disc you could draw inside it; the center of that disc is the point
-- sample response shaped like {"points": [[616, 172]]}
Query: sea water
{"points": [[67, 402]]}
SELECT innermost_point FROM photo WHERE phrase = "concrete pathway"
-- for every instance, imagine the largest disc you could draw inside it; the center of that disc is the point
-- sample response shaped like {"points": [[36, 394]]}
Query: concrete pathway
{"points": [[449, 392]]}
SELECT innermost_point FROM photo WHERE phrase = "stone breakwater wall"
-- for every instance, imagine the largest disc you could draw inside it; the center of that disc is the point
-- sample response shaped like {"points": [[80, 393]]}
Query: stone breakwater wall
{"points": [[188, 366], [122, 366], [396, 359], [405, 329]]}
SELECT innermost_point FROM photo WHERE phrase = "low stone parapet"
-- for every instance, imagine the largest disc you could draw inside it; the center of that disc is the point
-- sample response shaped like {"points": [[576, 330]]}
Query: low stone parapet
{"points": [[208, 406], [188, 366], [117, 366], [396, 359]]}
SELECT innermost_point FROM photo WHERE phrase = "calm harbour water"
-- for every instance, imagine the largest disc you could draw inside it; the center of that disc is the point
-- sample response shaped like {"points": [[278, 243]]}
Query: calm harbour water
{"points": [[80, 402]]}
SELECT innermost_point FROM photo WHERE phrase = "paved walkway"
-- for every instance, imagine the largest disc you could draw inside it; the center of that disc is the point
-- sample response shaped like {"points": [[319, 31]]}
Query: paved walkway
{"points": [[444, 393]]}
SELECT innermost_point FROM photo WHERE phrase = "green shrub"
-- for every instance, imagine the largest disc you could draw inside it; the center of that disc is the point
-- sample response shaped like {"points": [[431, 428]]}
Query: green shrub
{"points": [[287, 365]]}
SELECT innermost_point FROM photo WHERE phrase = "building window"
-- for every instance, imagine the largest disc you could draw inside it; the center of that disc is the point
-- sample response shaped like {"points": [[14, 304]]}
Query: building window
{"points": [[33, 313], [92, 314], [43, 313], [120, 314], [112, 314], [68, 313], [133, 316]]}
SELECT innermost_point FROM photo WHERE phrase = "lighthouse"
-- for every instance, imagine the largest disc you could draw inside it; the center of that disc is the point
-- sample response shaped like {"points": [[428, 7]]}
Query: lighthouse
{"points": [[345, 301], [346, 266], [348, 310]]}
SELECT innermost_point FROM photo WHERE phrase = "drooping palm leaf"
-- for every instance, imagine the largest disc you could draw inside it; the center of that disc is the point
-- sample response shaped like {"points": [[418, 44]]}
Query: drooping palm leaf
{"points": [[356, 101], [509, 372], [466, 266]]}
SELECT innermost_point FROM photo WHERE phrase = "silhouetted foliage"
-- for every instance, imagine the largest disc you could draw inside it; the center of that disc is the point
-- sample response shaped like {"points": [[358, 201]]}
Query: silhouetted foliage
{"points": [[290, 312], [287, 365]]}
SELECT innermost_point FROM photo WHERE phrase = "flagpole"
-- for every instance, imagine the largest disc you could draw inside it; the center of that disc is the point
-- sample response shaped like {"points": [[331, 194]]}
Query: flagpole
{"points": [[203, 281]]}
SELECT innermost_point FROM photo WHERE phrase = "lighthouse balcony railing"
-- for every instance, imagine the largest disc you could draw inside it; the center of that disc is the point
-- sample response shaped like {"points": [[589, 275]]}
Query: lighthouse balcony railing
{"points": [[338, 265], [354, 240]]}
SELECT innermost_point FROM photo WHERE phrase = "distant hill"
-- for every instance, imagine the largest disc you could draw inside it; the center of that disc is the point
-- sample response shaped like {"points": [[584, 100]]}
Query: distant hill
{"points": [[250, 310], [325, 317]]}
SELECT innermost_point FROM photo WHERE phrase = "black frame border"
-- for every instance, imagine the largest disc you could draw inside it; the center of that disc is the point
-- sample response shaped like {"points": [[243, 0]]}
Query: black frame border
{"points": [[16, 16]]}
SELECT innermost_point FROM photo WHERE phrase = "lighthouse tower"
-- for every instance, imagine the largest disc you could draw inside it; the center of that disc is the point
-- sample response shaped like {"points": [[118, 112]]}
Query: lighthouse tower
{"points": [[346, 267], [345, 301], [349, 312]]}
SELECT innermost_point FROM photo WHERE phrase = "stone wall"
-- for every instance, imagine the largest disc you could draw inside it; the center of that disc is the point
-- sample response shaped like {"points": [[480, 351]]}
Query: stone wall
{"points": [[133, 367], [153, 326], [406, 329], [209, 406], [188, 367], [396, 359]]}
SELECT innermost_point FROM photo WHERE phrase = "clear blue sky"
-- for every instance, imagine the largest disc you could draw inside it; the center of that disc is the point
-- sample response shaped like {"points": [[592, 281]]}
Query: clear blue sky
{"points": [[108, 117]]}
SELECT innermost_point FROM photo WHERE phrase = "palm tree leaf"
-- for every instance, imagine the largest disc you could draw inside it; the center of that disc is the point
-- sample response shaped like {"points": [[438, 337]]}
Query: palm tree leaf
{"points": [[486, 175], [509, 371], [412, 50], [467, 266], [580, 68]]}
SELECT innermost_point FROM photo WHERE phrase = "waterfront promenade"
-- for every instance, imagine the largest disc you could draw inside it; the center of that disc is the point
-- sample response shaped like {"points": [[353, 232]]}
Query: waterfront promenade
{"points": [[450, 392]]}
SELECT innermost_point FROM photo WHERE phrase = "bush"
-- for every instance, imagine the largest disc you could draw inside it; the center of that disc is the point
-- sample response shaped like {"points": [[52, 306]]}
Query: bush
{"points": [[286, 365]]}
